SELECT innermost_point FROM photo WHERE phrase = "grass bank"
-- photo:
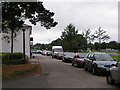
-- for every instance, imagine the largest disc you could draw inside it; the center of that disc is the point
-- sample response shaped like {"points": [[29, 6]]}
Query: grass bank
{"points": [[17, 71], [115, 57]]}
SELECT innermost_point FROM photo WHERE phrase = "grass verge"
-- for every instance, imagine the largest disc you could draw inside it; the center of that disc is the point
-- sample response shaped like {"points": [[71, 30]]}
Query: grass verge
{"points": [[117, 58], [17, 71]]}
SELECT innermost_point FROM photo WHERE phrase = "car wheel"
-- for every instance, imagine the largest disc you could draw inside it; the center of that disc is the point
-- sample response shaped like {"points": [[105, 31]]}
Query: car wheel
{"points": [[72, 63], [62, 59], [85, 67], [94, 72], [109, 79]]}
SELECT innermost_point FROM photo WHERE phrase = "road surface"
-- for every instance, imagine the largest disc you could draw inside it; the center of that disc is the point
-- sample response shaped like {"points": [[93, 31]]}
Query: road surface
{"points": [[57, 74]]}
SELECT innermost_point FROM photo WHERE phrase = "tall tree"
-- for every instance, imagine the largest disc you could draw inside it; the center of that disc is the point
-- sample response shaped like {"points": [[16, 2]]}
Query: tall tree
{"points": [[88, 36], [101, 35], [71, 40], [14, 15]]}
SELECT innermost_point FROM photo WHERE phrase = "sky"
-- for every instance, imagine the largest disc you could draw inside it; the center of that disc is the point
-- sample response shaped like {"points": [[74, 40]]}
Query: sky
{"points": [[82, 14]]}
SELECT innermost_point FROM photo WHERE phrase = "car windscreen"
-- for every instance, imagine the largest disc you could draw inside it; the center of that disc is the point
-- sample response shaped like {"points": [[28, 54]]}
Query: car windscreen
{"points": [[70, 54], [61, 53], [58, 50], [103, 57]]}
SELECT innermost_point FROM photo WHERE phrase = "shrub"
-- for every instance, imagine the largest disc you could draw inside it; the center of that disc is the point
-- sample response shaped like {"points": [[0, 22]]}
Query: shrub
{"points": [[13, 59]]}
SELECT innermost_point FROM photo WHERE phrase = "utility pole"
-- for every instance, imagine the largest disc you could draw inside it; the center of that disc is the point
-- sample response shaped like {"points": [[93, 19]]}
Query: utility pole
{"points": [[23, 43]]}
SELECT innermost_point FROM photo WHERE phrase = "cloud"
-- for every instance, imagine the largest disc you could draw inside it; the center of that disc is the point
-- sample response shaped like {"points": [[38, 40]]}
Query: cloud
{"points": [[83, 15]]}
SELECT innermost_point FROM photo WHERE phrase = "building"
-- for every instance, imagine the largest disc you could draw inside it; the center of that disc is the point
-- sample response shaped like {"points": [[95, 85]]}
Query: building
{"points": [[17, 42]]}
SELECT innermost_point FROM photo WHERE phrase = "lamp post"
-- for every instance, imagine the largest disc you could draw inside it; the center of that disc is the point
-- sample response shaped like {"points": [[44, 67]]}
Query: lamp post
{"points": [[23, 43]]}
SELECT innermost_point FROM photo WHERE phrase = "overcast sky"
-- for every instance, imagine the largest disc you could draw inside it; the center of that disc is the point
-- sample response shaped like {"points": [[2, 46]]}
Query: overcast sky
{"points": [[83, 15]]}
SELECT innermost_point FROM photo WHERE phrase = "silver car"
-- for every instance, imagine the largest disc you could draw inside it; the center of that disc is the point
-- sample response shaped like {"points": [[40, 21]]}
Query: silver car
{"points": [[113, 74]]}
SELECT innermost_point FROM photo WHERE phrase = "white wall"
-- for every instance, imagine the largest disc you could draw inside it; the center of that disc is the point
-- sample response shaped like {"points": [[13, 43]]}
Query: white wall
{"points": [[18, 43]]}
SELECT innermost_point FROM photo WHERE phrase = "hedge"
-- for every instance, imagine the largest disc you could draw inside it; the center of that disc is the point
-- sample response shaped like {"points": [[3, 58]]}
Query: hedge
{"points": [[13, 59]]}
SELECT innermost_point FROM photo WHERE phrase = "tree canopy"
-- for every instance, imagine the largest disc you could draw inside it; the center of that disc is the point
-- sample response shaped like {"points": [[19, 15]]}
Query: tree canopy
{"points": [[71, 40], [14, 15]]}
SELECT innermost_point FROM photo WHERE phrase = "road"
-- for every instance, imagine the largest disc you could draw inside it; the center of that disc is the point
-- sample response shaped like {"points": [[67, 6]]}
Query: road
{"points": [[57, 74]]}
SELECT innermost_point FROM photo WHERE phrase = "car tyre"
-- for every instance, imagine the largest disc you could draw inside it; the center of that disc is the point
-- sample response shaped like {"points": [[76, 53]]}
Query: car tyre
{"points": [[85, 67], [109, 79], [94, 71], [63, 59], [72, 63]]}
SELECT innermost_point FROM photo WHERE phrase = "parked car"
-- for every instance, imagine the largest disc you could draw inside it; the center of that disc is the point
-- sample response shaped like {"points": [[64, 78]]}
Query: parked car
{"points": [[46, 52], [113, 74], [49, 53], [39, 51], [79, 60], [60, 55], [56, 50], [98, 63], [68, 56]]}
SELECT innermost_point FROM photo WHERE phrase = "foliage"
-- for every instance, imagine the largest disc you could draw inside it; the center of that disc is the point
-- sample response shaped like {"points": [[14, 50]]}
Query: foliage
{"points": [[12, 59], [113, 45], [71, 40], [88, 36], [101, 35], [14, 15]]}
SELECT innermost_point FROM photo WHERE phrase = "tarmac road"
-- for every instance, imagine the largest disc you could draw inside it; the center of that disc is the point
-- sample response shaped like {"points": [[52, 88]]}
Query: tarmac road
{"points": [[57, 74]]}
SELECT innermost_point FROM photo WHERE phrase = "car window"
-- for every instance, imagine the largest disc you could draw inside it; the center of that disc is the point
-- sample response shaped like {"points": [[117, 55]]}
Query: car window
{"points": [[88, 55], [118, 64], [103, 57]]}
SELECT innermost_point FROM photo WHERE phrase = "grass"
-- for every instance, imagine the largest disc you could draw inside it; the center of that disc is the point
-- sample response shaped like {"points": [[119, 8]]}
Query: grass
{"points": [[17, 71], [117, 51], [117, 58]]}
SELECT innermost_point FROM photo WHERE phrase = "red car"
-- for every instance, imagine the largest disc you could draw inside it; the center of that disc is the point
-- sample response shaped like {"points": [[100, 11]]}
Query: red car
{"points": [[78, 60], [60, 55]]}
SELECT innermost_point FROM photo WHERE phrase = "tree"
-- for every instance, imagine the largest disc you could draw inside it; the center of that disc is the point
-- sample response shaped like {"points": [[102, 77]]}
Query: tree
{"points": [[71, 40], [97, 46], [88, 36], [104, 45], [101, 35], [14, 15], [113, 45]]}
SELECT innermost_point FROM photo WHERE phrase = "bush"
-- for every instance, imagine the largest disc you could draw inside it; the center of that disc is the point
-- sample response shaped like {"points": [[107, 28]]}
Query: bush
{"points": [[13, 59]]}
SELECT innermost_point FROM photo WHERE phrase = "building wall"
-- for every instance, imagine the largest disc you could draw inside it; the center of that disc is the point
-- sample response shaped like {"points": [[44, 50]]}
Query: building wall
{"points": [[18, 43]]}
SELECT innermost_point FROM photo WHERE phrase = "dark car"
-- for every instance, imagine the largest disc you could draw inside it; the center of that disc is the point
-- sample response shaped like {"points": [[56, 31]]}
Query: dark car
{"points": [[79, 60], [113, 74], [46, 52], [49, 53], [98, 63], [59, 55], [68, 56]]}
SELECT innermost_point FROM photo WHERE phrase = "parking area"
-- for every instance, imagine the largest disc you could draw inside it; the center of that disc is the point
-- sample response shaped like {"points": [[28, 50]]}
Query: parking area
{"points": [[57, 74]]}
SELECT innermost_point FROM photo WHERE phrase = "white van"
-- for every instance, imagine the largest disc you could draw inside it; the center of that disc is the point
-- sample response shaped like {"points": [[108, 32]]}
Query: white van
{"points": [[55, 50]]}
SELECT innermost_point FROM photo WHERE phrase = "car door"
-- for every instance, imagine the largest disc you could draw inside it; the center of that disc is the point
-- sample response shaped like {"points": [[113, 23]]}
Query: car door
{"points": [[119, 71], [114, 72], [89, 62]]}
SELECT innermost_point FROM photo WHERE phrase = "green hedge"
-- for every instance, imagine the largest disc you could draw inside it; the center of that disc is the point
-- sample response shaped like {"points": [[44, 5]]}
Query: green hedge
{"points": [[13, 59]]}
